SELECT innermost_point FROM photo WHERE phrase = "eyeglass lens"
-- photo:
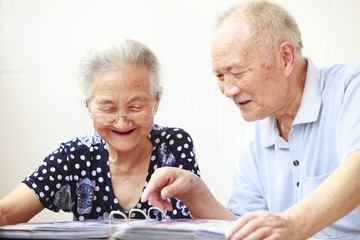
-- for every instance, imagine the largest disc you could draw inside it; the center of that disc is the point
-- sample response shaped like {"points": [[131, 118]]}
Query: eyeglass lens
{"points": [[108, 119]]}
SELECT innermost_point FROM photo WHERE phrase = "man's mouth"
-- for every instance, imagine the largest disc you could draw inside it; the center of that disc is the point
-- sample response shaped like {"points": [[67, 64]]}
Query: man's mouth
{"points": [[242, 103]]}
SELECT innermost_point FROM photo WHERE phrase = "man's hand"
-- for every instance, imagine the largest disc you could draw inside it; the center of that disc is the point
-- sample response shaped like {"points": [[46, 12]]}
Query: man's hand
{"points": [[169, 182], [262, 224]]}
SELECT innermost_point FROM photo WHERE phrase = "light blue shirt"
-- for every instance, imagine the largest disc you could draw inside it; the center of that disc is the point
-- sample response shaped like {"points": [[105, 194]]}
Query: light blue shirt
{"points": [[273, 174]]}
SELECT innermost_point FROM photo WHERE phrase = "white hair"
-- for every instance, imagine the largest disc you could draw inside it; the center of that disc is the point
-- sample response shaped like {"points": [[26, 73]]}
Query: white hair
{"points": [[112, 55], [269, 24]]}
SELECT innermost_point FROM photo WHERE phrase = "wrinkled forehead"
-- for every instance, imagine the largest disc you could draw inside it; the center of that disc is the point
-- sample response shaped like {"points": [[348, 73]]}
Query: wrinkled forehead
{"points": [[232, 32], [230, 52], [234, 25], [122, 82]]}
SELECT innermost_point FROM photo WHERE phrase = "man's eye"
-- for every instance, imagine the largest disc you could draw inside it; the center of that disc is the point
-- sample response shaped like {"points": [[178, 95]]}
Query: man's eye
{"points": [[220, 76], [237, 75]]}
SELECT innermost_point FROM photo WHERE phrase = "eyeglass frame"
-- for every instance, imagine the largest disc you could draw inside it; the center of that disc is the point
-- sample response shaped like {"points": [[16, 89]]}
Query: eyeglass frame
{"points": [[118, 115]]}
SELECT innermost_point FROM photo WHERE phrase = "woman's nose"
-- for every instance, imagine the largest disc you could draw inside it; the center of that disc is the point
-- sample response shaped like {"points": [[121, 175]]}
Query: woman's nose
{"points": [[122, 122]]}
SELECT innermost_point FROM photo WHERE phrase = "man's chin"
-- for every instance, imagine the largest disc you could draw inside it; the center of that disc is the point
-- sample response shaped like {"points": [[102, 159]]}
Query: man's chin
{"points": [[249, 118]]}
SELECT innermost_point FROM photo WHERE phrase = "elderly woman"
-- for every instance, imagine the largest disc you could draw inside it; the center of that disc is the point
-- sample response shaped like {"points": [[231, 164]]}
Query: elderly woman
{"points": [[107, 170]]}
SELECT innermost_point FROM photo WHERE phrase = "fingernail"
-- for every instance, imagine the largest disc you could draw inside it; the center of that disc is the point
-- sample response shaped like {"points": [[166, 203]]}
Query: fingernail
{"points": [[228, 234], [164, 194]]}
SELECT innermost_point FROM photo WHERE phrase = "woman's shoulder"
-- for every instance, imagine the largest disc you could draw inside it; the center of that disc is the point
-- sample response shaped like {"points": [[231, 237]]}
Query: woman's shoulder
{"points": [[169, 135], [168, 131], [88, 140], [173, 147], [91, 139], [90, 143]]}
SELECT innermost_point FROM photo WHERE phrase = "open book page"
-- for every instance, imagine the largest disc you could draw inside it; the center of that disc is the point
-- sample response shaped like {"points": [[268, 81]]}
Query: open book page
{"points": [[89, 229], [126, 228], [61, 230], [175, 229]]}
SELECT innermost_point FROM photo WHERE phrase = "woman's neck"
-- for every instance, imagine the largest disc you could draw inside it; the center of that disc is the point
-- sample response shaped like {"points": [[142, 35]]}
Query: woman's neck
{"points": [[127, 162]]}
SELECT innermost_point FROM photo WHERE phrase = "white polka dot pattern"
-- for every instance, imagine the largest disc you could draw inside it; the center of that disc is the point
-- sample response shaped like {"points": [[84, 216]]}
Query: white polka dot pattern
{"points": [[76, 177]]}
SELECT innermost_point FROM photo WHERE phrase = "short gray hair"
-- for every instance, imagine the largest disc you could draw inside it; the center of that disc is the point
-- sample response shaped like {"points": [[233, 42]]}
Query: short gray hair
{"points": [[269, 24], [112, 55]]}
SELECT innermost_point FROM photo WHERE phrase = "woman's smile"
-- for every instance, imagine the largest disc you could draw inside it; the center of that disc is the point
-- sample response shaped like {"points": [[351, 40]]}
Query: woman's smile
{"points": [[124, 133]]}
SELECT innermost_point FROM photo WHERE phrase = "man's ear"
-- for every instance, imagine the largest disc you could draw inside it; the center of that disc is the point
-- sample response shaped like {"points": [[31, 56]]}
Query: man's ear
{"points": [[287, 54], [87, 105]]}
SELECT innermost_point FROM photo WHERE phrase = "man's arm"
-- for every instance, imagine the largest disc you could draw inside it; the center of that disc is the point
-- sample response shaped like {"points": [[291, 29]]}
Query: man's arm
{"points": [[20, 205], [338, 195], [169, 182]]}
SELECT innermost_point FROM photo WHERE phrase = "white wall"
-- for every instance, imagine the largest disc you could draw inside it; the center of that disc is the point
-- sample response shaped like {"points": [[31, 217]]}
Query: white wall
{"points": [[41, 42]]}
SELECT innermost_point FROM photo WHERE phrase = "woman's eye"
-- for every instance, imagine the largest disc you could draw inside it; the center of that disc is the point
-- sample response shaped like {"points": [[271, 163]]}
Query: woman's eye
{"points": [[108, 110], [136, 108], [104, 110]]}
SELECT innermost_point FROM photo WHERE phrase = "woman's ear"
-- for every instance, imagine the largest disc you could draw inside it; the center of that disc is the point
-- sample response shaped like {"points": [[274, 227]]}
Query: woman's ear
{"points": [[157, 102], [287, 52]]}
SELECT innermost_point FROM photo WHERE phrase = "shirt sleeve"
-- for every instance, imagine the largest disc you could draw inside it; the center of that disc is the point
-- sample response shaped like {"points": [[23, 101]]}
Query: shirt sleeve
{"points": [[348, 123], [50, 182]]}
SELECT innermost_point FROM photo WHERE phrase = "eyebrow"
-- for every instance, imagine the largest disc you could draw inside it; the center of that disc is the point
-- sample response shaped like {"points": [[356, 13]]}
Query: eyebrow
{"points": [[228, 69], [137, 98], [105, 101]]}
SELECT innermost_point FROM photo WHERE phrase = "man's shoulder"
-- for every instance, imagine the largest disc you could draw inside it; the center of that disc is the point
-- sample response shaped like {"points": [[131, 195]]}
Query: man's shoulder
{"points": [[248, 133], [351, 69], [337, 78]]}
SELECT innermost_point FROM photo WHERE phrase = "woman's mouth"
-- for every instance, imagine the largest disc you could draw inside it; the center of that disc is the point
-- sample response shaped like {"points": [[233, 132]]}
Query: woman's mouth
{"points": [[124, 133]]}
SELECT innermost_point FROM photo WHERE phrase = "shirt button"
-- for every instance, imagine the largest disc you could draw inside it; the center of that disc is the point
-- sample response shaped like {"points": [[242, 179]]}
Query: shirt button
{"points": [[296, 163], [297, 184]]}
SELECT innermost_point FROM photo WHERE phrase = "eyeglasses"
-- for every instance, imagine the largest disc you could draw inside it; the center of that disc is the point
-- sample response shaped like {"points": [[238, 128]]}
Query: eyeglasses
{"points": [[112, 118]]}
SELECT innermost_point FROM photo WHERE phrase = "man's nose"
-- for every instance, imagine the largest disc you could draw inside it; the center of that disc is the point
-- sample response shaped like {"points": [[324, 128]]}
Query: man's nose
{"points": [[230, 87]]}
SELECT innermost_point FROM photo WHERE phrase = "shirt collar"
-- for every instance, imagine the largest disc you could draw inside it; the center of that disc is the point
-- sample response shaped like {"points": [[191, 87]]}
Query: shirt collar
{"points": [[270, 131], [311, 98], [308, 111]]}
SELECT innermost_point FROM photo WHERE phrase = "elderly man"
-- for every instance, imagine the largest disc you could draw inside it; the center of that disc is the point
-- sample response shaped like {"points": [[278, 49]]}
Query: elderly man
{"points": [[297, 174]]}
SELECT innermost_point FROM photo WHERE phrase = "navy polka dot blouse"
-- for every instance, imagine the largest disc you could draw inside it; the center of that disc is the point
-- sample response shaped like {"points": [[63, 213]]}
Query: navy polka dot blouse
{"points": [[76, 177]]}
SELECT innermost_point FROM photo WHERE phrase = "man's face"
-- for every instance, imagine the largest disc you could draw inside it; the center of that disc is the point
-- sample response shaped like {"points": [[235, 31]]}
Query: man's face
{"points": [[245, 74]]}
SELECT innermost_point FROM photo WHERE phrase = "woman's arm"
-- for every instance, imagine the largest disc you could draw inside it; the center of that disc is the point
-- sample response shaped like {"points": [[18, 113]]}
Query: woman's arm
{"points": [[20, 205]]}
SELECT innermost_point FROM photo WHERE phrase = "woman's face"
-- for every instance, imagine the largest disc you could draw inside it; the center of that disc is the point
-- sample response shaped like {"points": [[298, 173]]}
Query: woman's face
{"points": [[124, 91]]}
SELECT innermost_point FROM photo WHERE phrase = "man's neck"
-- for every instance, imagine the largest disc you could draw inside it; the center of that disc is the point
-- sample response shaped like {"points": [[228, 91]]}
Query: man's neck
{"points": [[285, 119]]}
